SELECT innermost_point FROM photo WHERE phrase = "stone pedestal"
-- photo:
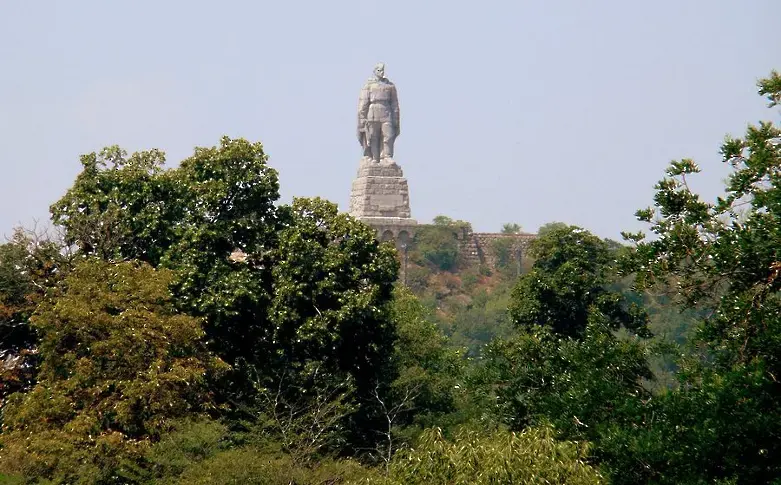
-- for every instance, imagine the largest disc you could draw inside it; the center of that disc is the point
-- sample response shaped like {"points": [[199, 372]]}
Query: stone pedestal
{"points": [[380, 191], [380, 198]]}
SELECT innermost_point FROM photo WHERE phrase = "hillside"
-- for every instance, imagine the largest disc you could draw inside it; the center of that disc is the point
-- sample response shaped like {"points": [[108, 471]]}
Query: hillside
{"points": [[469, 301]]}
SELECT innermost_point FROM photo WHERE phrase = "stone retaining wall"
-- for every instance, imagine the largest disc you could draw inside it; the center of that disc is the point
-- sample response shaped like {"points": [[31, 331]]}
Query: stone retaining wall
{"points": [[478, 248]]}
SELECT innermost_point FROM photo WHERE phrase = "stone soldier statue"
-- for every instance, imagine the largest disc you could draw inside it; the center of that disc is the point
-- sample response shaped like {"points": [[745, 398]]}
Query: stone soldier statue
{"points": [[378, 116]]}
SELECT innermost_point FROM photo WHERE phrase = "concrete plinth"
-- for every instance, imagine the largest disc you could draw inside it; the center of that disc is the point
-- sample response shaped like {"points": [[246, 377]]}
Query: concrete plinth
{"points": [[380, 190], [380, 198]]}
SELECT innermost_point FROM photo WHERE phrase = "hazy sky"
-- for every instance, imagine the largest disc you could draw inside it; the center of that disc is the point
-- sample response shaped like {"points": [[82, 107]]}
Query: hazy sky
{"points": [[515, 111]]}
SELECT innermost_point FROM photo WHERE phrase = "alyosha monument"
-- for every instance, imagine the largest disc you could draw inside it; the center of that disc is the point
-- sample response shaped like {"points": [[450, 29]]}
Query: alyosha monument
{"points": [[380, 194]]}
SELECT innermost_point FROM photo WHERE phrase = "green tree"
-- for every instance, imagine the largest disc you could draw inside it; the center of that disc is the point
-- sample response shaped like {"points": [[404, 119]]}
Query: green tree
{"points": [[277, 287], [246, 465], [188, 442], [483, 319], [580, 385], [508, 257], [307, 412], [226, 196], [441, 220], [120, 207], [119, 365], [332, 285], [511, 228], [446, 221], [566, 364], [533, 456], [725, 420], [550, 226], [427, 372], [437, 246], [30, 264], [330, 307], [188, 219], [568, 285]]}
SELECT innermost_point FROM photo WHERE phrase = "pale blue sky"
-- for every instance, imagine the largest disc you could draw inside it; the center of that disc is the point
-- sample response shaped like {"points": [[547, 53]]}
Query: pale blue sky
{"points": [[511, 111]]}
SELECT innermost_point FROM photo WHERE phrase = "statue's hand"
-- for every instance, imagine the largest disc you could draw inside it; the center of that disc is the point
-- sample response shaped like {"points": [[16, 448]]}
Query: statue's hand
{"points": [[363, 131]]}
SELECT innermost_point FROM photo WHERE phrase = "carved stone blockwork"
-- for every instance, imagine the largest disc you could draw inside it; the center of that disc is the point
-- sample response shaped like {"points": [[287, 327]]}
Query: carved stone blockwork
{"points": [[380, 190]]}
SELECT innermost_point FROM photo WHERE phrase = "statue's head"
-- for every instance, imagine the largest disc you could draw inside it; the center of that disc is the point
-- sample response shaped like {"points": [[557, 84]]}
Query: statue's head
{"points": [[379, 70]]}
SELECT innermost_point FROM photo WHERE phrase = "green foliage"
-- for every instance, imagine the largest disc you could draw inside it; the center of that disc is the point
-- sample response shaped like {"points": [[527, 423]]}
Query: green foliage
{"points": [[484, 318], [11, 480], [118, 366], [441, 220], [332, 283], [249, 466], [511, 228], [723, 423], [205, 451], [437, 246], [771, 88], [550, 226], [224, 200], [450, 222], [114, 208], [726, 253], [530, 457], [503, 252], [188, 219], [29, 265], [428, 368], [580, 385], [329, 313], [15, 281], [567, 286], [719, 427], [566, 365], [188, 442], [509, 258], [278, 288], [306, 416]]}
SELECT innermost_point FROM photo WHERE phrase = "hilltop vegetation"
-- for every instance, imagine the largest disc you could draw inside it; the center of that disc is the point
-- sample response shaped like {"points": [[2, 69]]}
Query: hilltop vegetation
{"points": [[188, 328]]}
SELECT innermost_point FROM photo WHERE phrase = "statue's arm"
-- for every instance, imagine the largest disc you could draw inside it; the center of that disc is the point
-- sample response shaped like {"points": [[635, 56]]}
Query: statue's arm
{"points": [[396, 114], [363, 109]]}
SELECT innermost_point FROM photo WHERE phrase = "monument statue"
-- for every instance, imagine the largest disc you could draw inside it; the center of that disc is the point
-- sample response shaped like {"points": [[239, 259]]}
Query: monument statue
{"points": [[380, 193], [378, 117]]}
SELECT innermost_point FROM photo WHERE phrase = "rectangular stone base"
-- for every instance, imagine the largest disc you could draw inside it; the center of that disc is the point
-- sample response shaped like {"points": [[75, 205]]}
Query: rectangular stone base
{"points": [[380, 190]]}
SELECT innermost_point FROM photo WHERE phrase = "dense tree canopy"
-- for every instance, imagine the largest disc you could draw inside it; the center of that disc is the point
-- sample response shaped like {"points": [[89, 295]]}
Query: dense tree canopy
{"points": [[118, 364], [188, 328], [567, 286], [724, 421], [275, 285], [29, 264], [531, 457], [189, 219], [565, 364]]}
